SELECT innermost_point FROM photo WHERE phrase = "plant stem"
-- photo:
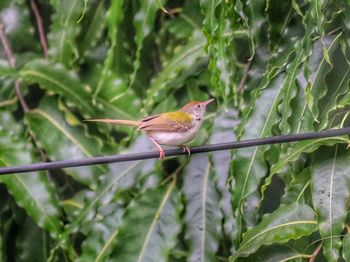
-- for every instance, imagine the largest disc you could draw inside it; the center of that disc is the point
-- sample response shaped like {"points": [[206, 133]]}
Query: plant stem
{"points": [[12, 61], [39, 23]]}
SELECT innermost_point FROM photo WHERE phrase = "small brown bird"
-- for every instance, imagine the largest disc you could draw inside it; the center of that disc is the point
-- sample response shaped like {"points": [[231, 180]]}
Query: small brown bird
{"points": [[172, 128]]}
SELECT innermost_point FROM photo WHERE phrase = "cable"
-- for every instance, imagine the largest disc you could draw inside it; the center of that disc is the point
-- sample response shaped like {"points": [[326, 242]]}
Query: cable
{"points": [[174, 152]]}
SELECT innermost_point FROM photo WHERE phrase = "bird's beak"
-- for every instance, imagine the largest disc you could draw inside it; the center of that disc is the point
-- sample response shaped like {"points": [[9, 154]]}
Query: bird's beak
{"points": [[208, 102]]}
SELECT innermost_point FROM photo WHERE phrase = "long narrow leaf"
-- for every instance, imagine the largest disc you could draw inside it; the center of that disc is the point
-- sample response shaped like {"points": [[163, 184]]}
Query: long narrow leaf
{"points": [[150, 226], [288, 222], [202, 213], [330, 193], [33, 192]]}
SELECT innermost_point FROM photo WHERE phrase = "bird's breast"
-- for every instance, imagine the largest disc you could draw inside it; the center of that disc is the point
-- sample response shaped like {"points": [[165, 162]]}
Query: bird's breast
{"points": [[173, 138]]}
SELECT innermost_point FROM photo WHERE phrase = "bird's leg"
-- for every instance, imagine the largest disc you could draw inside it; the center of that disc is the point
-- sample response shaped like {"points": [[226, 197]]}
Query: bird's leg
{"points": [[186, 149], [160, 149]]}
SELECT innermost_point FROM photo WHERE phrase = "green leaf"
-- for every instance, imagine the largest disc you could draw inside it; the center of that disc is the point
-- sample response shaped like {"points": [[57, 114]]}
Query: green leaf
{"points": [[160, 5], [284, 69], [57, 79], [330, 194], [289, 87], [222, 132], [143, 23], [103, 232], [202, 215], [303, 51], [297, 8], [184, 57], [1, 250], [277, 25], [248, 165], [275, 253], [6, 69], [318, 88], [298, 187], [318, 15], [338, 86], [62, 141], [346, 247], [287, 222], [113, 19], [18, 28], [27, 249], [304, 147], [122, 175], [116, 100], [92, 28], [6, 222], [154, 238], [219, 45], [64, 30], [33, 191]]}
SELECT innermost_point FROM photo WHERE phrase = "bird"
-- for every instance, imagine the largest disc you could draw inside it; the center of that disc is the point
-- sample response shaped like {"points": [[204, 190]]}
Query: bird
{"points": [[175, 128]]}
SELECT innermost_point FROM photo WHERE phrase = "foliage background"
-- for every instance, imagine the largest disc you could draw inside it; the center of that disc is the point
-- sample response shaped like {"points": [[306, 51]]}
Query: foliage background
{"points": [[274, 67]]}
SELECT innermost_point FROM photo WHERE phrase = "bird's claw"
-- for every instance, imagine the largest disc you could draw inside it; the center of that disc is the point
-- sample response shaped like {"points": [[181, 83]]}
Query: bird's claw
{"points": [[186, 149]]}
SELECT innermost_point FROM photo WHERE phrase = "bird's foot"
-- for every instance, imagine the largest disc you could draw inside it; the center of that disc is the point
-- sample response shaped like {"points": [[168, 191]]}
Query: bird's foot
{"points": [[159, 148], [161, 154], [186, 149]]}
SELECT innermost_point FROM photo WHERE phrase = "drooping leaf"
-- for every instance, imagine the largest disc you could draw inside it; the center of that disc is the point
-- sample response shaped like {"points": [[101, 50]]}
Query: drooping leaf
{"points": [[249, 165], [29, 250], [113, 18], [62, 141], [287, 222], [33, 191], [92, 28], [304, 147], [143, 23], [289, 85], [182, 26], [1, 251], [116, 100], [8, 97], [18, 28], [183, 58], [298, 188], [330, 194], [219, 47], [223, 132], [283, 64], [202, 210], [64, 30], [57, 79], [141, 144], [318, 16], [160, 5], [103, 232], [303, 51], [276, 253], [346, 247], [6, 222], [318, 88], [150, 226], [122, 175]]}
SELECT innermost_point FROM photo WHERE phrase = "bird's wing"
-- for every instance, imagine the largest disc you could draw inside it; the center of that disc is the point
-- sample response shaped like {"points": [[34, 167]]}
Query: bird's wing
{"points": [[168, 122], [148, 118]]}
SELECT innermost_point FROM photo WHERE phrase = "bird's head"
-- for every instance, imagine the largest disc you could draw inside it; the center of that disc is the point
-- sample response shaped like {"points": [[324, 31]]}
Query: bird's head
{"points": [[197, 109]]}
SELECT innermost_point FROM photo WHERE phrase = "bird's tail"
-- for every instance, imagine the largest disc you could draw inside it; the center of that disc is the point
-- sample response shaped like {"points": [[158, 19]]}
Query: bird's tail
{"points": [[116, 121]]}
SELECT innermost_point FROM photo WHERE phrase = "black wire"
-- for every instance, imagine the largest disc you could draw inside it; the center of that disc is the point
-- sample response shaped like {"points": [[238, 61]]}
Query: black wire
{"points": [[173, 152]]}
